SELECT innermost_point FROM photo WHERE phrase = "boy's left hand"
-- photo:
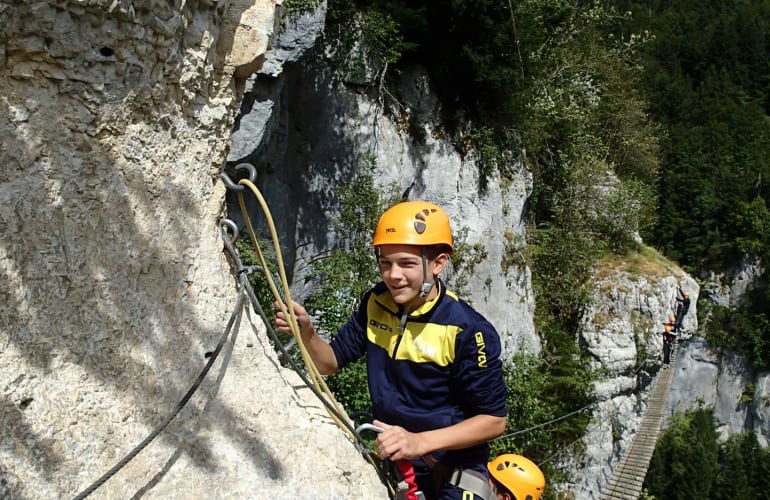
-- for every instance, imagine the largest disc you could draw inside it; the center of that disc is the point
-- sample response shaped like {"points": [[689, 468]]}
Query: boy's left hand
{"points": [[396, 443]]}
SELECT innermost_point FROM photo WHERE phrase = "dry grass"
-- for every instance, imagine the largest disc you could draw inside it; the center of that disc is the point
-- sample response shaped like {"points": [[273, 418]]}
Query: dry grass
{"points": [[641, 261]]}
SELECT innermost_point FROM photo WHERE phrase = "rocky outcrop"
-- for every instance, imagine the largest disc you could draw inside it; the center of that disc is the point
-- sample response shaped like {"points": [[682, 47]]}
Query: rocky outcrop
{"points": [[309, 131], [720, 379], [622, 328], [730, 289], [116, 118]]}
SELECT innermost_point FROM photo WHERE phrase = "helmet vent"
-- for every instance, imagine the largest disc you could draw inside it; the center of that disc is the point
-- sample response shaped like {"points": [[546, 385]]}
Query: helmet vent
{"points": [[419, 227]]}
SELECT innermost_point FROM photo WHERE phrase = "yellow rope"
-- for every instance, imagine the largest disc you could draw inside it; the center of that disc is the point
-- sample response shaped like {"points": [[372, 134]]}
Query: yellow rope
{"points": [[315, 375]]}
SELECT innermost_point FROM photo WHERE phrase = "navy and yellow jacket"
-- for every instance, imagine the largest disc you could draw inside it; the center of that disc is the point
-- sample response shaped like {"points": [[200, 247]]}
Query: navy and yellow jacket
{"points": [[443, 368]]}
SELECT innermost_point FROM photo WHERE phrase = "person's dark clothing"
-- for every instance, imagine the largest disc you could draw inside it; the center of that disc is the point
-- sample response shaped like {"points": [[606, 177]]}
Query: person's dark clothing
{"points": [[443, 368], [682, 306], [668, 345]]}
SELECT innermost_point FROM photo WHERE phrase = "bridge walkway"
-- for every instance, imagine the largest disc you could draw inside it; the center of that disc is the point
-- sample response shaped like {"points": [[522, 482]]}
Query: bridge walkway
{"points": [[629, 475]]}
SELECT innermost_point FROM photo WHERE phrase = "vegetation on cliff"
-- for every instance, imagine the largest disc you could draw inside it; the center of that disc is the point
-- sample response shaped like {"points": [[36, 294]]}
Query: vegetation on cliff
{"points": [[636, 117]]}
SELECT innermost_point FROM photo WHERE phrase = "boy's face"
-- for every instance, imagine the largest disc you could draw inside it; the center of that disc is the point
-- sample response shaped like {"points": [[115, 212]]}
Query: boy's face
{"points": [[401, 270]]}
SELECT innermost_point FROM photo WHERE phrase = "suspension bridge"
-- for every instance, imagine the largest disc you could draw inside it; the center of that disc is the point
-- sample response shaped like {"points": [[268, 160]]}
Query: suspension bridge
{"points": [[628, 477]]}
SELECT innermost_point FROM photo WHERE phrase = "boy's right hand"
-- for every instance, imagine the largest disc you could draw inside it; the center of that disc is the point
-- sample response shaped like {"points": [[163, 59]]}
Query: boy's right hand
{"points": [[282, 320]]}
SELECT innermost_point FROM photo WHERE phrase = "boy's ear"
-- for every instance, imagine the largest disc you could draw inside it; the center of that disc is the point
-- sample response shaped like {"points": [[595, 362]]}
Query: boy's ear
{"points": [[439, 263]]}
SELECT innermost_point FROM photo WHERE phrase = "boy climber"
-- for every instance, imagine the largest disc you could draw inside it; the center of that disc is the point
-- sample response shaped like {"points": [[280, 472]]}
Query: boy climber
{"points": [[515, 477], [433, 362]]}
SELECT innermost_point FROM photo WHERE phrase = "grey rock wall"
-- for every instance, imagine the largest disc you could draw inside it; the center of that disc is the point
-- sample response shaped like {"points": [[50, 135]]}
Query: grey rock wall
{"points": [[114, 287], [721, 380], [307, 130], [622, 330]]}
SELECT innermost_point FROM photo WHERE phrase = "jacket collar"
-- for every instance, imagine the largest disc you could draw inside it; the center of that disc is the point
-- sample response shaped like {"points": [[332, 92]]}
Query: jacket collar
{"points": [[386, 301]]}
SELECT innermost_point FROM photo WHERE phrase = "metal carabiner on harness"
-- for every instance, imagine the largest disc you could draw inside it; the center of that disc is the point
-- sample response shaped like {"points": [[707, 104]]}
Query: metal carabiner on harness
{"points": [[404, 490]]}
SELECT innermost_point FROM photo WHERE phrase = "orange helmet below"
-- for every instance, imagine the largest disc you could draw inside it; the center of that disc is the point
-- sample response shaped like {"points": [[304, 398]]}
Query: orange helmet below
{"points": [[419, 223], [520, 475]]}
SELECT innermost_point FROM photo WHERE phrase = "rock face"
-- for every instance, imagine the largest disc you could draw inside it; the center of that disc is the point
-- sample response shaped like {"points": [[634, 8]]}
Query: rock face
{"points": [[307, 131], [116, 119], [622, 330]]}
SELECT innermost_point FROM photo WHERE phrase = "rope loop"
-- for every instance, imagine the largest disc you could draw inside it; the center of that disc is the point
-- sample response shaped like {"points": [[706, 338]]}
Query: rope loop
{"points": [[282, 296]]}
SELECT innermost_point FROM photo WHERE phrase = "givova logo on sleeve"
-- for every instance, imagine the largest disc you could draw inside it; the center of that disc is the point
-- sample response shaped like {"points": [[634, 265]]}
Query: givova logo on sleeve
{"points": [[482, 355]]}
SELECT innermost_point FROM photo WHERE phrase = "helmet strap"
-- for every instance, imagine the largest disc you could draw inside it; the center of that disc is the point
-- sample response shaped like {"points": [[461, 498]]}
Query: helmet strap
{"points": [[426, 285]]}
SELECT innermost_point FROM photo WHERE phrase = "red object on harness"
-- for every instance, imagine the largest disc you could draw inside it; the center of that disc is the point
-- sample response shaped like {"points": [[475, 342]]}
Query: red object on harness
{"points": [[407, 471]]}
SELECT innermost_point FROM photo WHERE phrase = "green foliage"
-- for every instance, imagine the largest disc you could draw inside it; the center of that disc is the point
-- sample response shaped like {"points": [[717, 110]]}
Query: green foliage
{"points": [[492, 153], [706, 78], [745, 469], [746, 327], [689, 463], [295, 8], [368, 36], [562, 261], [747, 396], [526, 378], [684, 463], [752, 222]]}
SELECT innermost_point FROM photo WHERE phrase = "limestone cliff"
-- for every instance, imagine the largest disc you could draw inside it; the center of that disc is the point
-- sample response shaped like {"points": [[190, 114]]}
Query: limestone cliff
{"points": [[116, 117]]}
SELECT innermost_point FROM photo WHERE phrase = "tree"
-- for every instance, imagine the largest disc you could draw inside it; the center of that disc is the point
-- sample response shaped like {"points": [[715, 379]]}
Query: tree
{"points": [[684, 463]]}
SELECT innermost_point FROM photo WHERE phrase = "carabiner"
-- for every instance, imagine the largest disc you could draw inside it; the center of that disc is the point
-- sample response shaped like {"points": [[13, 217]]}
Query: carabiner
{"points": [[368, 427]]}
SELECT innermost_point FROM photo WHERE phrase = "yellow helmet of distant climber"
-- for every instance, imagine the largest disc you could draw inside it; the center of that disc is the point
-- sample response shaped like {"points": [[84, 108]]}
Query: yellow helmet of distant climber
{"points": [[419, 223], [520, 475]]}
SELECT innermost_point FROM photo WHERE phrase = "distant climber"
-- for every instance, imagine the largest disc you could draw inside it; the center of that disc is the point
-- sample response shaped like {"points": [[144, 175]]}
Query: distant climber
{"points": [[669, 337], [682, 306]]}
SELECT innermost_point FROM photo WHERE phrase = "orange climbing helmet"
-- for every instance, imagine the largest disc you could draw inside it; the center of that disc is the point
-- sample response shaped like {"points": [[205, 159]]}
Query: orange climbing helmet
{"points": [[668, 328], [414, 223], [520, 475]]}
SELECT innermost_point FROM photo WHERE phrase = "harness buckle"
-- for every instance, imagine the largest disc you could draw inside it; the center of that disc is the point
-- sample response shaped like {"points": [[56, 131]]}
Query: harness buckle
{"points": [[455, 478]]}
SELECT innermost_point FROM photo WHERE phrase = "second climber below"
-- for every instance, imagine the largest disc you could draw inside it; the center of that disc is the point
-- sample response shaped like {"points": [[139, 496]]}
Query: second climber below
{"points": [[433, 362]]}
